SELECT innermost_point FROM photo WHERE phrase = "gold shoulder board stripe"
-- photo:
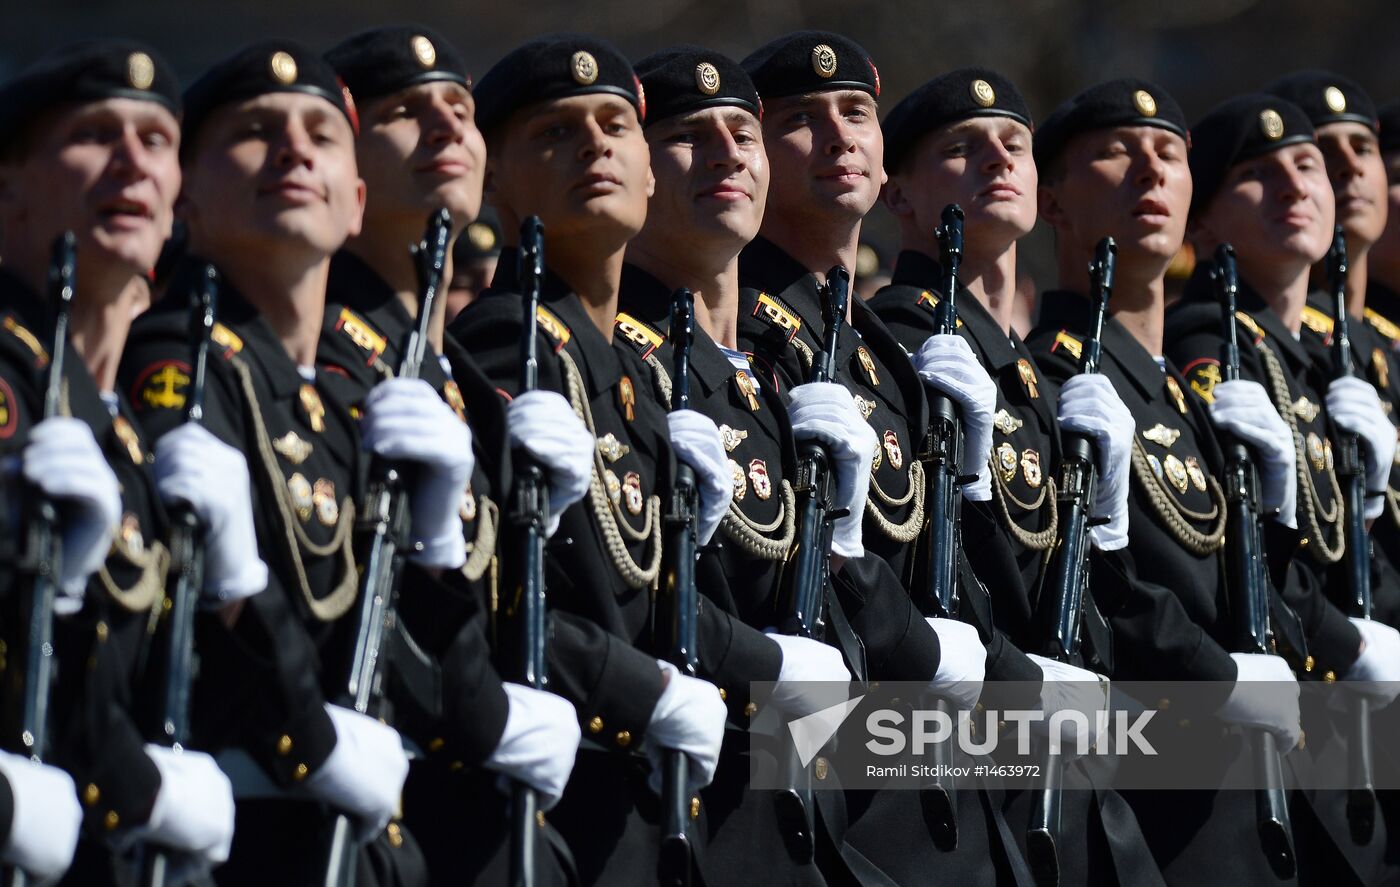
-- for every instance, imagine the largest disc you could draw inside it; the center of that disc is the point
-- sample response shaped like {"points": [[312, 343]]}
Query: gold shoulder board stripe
{"points": [[1317, 321], [553, 326], [19, 331], [361, 333], [227, 339], [775, 313], [1250, 325], [1072, 345], [639, 333], [1383, 325]]}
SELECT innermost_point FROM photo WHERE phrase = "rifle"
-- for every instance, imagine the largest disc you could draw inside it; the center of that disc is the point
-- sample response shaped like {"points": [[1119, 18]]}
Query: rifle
{"points": [[1062, 602], [816, 517], [524, 563], [43, 557], [1249, 582], [1351, 476], [386, 523], [678, 605], [187, 553]]}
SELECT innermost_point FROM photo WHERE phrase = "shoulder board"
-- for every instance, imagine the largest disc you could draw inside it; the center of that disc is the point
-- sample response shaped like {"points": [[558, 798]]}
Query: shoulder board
{"points": [[1251, 325], [22, 333], [361, 333], [1383, 325], [930, 301], [226, 339], [639, 333], [1074, 346], [552, 325], [1317, 321], [773, 312]]}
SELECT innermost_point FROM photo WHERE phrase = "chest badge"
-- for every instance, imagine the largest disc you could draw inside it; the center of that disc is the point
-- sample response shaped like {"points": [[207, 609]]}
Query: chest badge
{"points": [[893, 450], [747, 389], [732, 437], [1305, 409], [632, 492], [127, 435], [1005, 422], [1174, 389], [300, 489], [1381, 368], [741, 483], [324, 501], [628, 396], [1030, 468], [467, 510], [292, 448], [867, 363], [1194, 472], [453, 395], [1317, 453], [131, 534], [758, 475], [612, 449], [1006, 461], [1028, 379], [315, 410], [614, 485], [1161, 435], [866, 407], [1156, 465], [1176, 473]]}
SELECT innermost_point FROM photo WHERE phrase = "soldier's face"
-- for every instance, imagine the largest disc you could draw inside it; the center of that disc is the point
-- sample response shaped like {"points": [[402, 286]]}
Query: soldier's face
{"points": [[1354, 165], [1275, 208], [1131, 183], [579, 163], [827, 154], [109, 171], [985, 166], [711, 178], [419, 150], [274, 172]]}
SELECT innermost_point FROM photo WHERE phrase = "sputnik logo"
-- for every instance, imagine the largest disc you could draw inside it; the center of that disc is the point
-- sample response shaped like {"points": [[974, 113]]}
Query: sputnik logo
{"points": [[815, 730]]}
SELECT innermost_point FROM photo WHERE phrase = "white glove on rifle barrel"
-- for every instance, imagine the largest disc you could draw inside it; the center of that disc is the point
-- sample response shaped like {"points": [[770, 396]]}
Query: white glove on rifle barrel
{"points": [[406, 421], [1068, 688], [1244, 409], [46, 818], [689, 717], [63, 460], [1377, 672], [193, 812], [813, 675], [962, 664], [365, 772], [539, 742], [1354, 406], [1265, 696], [211, 477], [1089, 405], [827, 412], [946, 362], [544, 425], [698, 444]]}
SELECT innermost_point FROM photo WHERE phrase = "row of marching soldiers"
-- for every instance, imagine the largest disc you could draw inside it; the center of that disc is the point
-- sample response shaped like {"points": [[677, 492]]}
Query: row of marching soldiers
{"points": [[303, 180]]}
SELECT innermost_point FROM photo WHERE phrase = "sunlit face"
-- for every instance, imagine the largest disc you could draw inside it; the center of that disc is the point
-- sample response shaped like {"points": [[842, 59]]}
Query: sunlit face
{"points": [[274, 170], [1132, 183], [1277, 207], [827, 154], [984, 165], [419, 150], [109, 171], [1352, 155], [711, 179], [579, 163]]}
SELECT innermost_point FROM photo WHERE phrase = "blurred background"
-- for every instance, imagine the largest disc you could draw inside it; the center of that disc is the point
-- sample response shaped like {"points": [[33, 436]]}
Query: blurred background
{"points": [[1202, 51]]}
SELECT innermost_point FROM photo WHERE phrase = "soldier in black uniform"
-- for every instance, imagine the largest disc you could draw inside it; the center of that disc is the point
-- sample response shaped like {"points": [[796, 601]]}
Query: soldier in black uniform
{"points": [[825, 147], [271, 192], [90, 145], [1115, 164], [965, 138], [420, 149], [1260, 184], [562, 117]]}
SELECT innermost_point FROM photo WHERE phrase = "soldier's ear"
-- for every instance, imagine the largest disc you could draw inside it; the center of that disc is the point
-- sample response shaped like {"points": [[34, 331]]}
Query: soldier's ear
{"points": [[1049, 208], [357, 223], [896, 198]]}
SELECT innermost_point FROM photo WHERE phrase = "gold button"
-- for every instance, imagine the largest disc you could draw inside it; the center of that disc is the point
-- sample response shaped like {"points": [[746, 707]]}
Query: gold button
{"points": [[91, 795], [723, 696], [102, 632], [395, 835], [624, 738], [111, 820], [820, 767], [300, 772], [595, 724], [1164, 703], [750, 709], [284, 745], [1330, 677], [694, 807], [437, 744], [1308, 664]]}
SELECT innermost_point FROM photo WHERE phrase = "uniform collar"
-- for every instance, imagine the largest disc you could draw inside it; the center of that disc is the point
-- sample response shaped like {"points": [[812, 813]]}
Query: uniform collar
{"points": [[649, 300], [1072, 311], [17, 297], [914, 268], [922, 271], [354, 284], [1248, 300]]}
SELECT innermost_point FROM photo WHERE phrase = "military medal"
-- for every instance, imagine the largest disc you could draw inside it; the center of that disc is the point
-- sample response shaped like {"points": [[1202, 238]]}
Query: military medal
{"points": [[612, 449], [323, 498], [732, 437], [1156, 465], [292, 448], [1174, 389], [1161, 435], [746, 388], [866, 407], [628, 398], [1194, 472], [878, 459], [741, 484], [467, 511], [1378, 363], [1317, 454], [315, 410], [1030, 468], [867, 363], [1305, 409], [453, 395], [1006, 461], [758, 474], [892, 449], [1005, 422], [1176, 473], [614, 485], [131, 534], [632, 492], [300, 488], [1028, 379], [127, 435]]}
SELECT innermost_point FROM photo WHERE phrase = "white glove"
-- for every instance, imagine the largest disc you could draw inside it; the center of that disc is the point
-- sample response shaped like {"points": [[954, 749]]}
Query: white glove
{"points": [[1377, 672], [947, 363], [406, 421], [46, 819], [193, 812], [62, 459], [689, 717], [962, 664], [827, 412], [1244, 409], [539, 743], [696, 440], [365, 772], [1265, 696], [1089, 405], [195, 467], [544, 425], [812, 677], [1354, 405], [1065, 687]]}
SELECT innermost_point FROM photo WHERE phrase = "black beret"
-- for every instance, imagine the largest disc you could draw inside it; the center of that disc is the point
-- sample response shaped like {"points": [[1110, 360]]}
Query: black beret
{"points": [[811, 61], [955, 96], [267, 66], [1389, 117], [86, 72], [688, 78], [1237, 130], [552, 67], [385, 60], [1126, 101], [481, 239], [1327, 98]]}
